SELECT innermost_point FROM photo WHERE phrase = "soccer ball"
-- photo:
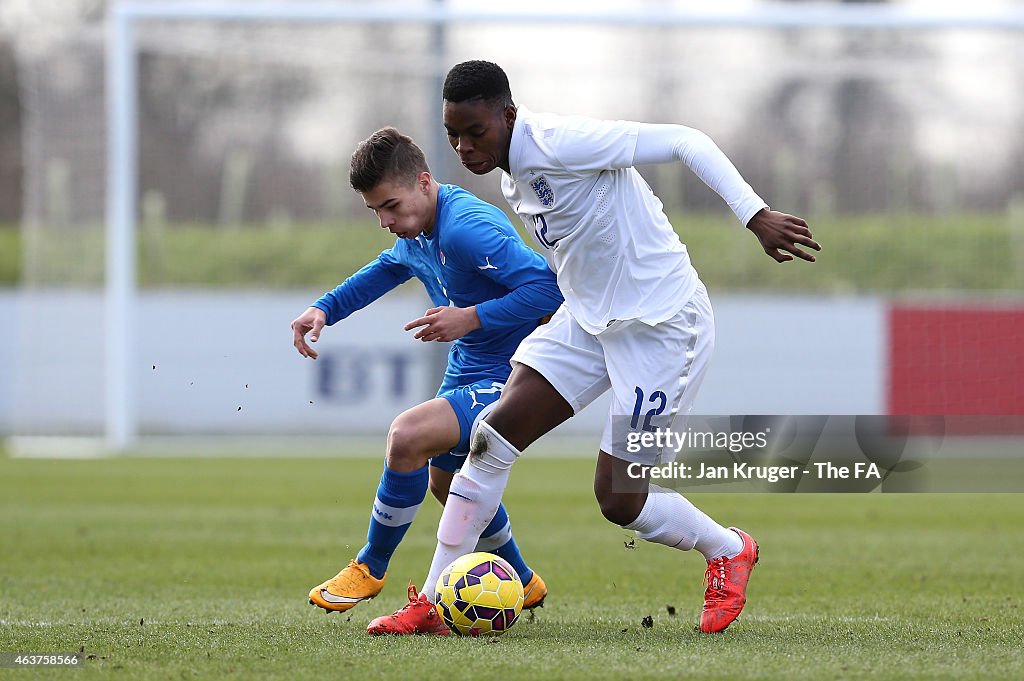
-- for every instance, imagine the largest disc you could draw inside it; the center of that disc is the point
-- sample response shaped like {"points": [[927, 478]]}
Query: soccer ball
{"points": [[479, 595]]}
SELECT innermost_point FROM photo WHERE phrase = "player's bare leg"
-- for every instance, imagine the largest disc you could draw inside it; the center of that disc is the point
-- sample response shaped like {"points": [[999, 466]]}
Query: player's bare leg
{"points": [[620, 496], [415, 435], [440, 482], [666, 517], [529, 408]]}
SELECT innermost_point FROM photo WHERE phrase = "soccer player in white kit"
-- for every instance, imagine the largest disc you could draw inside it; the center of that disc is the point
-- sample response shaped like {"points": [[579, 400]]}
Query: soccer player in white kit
{"points": [[636, 317]]}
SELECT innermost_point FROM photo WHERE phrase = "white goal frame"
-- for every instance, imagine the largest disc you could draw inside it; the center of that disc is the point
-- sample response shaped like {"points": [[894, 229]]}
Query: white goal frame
{"points": [[120, 427]]}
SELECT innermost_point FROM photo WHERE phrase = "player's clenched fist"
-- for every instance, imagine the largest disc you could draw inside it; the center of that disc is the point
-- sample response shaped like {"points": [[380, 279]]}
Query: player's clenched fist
{"points": [[312, 320]]}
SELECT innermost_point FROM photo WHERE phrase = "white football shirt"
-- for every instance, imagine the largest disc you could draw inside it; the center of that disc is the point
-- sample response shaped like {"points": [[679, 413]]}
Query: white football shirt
{"points": [[601, 228]]}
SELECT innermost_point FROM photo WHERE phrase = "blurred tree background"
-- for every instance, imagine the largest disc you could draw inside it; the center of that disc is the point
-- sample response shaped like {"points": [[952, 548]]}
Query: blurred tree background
{"points": [[897, 144]]}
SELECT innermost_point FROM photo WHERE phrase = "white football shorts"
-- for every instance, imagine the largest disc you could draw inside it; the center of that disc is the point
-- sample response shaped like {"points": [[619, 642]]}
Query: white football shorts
{"points": [[654, 371]]}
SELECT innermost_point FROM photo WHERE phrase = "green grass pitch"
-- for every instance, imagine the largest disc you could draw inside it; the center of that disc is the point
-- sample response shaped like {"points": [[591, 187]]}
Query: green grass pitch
{"points": [[199, 569]]}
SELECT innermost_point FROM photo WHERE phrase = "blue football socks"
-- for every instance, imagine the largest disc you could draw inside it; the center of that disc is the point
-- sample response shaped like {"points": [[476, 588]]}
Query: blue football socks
{"points": [[399, 497], [497, 539]]}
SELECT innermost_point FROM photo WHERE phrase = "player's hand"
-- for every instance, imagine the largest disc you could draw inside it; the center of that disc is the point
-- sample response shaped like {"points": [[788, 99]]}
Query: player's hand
{"points": [[445, 323], [312, 320], [781, 235]]}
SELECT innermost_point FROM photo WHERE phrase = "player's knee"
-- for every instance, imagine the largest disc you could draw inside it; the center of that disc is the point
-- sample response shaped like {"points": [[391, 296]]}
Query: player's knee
{"points": [[614, 511], [621, 508], [404, 451]]}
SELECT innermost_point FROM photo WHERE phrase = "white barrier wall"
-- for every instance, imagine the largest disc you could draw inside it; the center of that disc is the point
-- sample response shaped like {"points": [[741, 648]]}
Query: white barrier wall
{"points": [[223, 362], [9, 323], [797, 355]]}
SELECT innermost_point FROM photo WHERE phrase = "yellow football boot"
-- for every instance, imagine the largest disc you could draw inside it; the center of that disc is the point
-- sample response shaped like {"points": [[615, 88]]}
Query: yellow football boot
{"points": [[347, 588], [534, 592]]}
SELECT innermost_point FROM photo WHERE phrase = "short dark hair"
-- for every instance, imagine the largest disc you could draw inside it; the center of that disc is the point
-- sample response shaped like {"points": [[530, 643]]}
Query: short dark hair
{"points": [[385, 155], [477, 80]]}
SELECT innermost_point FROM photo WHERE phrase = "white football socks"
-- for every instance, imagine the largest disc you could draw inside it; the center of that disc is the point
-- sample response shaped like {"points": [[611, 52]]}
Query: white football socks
{"points": [[669, 518], [472, 500]]}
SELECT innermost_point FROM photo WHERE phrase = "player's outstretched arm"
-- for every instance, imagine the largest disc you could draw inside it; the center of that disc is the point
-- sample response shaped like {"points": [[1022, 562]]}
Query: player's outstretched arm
{"points": [[781, 235], [312, 322]]}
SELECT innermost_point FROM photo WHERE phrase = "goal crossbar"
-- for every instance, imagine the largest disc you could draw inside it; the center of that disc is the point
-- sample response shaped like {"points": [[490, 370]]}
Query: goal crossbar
{"points": [[770, 15]]}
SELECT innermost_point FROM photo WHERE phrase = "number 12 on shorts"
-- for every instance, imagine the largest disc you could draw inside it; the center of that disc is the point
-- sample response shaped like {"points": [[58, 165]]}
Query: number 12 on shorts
{"points": [[656, 398]]}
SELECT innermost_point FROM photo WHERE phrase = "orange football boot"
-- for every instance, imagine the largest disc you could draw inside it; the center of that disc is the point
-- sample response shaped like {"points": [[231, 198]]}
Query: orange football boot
{"points": [[534, 593], [347, 589]]}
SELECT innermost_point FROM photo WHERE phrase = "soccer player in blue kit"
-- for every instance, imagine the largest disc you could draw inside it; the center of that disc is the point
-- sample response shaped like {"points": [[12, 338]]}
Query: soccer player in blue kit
{"points": [[490, 291]]}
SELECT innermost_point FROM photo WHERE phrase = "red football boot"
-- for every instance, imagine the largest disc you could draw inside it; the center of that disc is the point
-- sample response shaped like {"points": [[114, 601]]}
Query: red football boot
{"points": [[726, 592], [418, 616]]}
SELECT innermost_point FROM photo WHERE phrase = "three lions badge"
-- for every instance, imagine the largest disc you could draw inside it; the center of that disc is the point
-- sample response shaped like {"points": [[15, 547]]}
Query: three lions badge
{"points": [[543, 191]]}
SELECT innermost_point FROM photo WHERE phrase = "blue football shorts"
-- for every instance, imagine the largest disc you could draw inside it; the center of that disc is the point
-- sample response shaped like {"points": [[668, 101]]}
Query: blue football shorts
{"points": [[471, 403]]}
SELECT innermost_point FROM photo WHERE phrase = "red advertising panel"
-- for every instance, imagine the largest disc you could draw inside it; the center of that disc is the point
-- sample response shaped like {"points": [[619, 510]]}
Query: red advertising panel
{"points": [[958, 361]]}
